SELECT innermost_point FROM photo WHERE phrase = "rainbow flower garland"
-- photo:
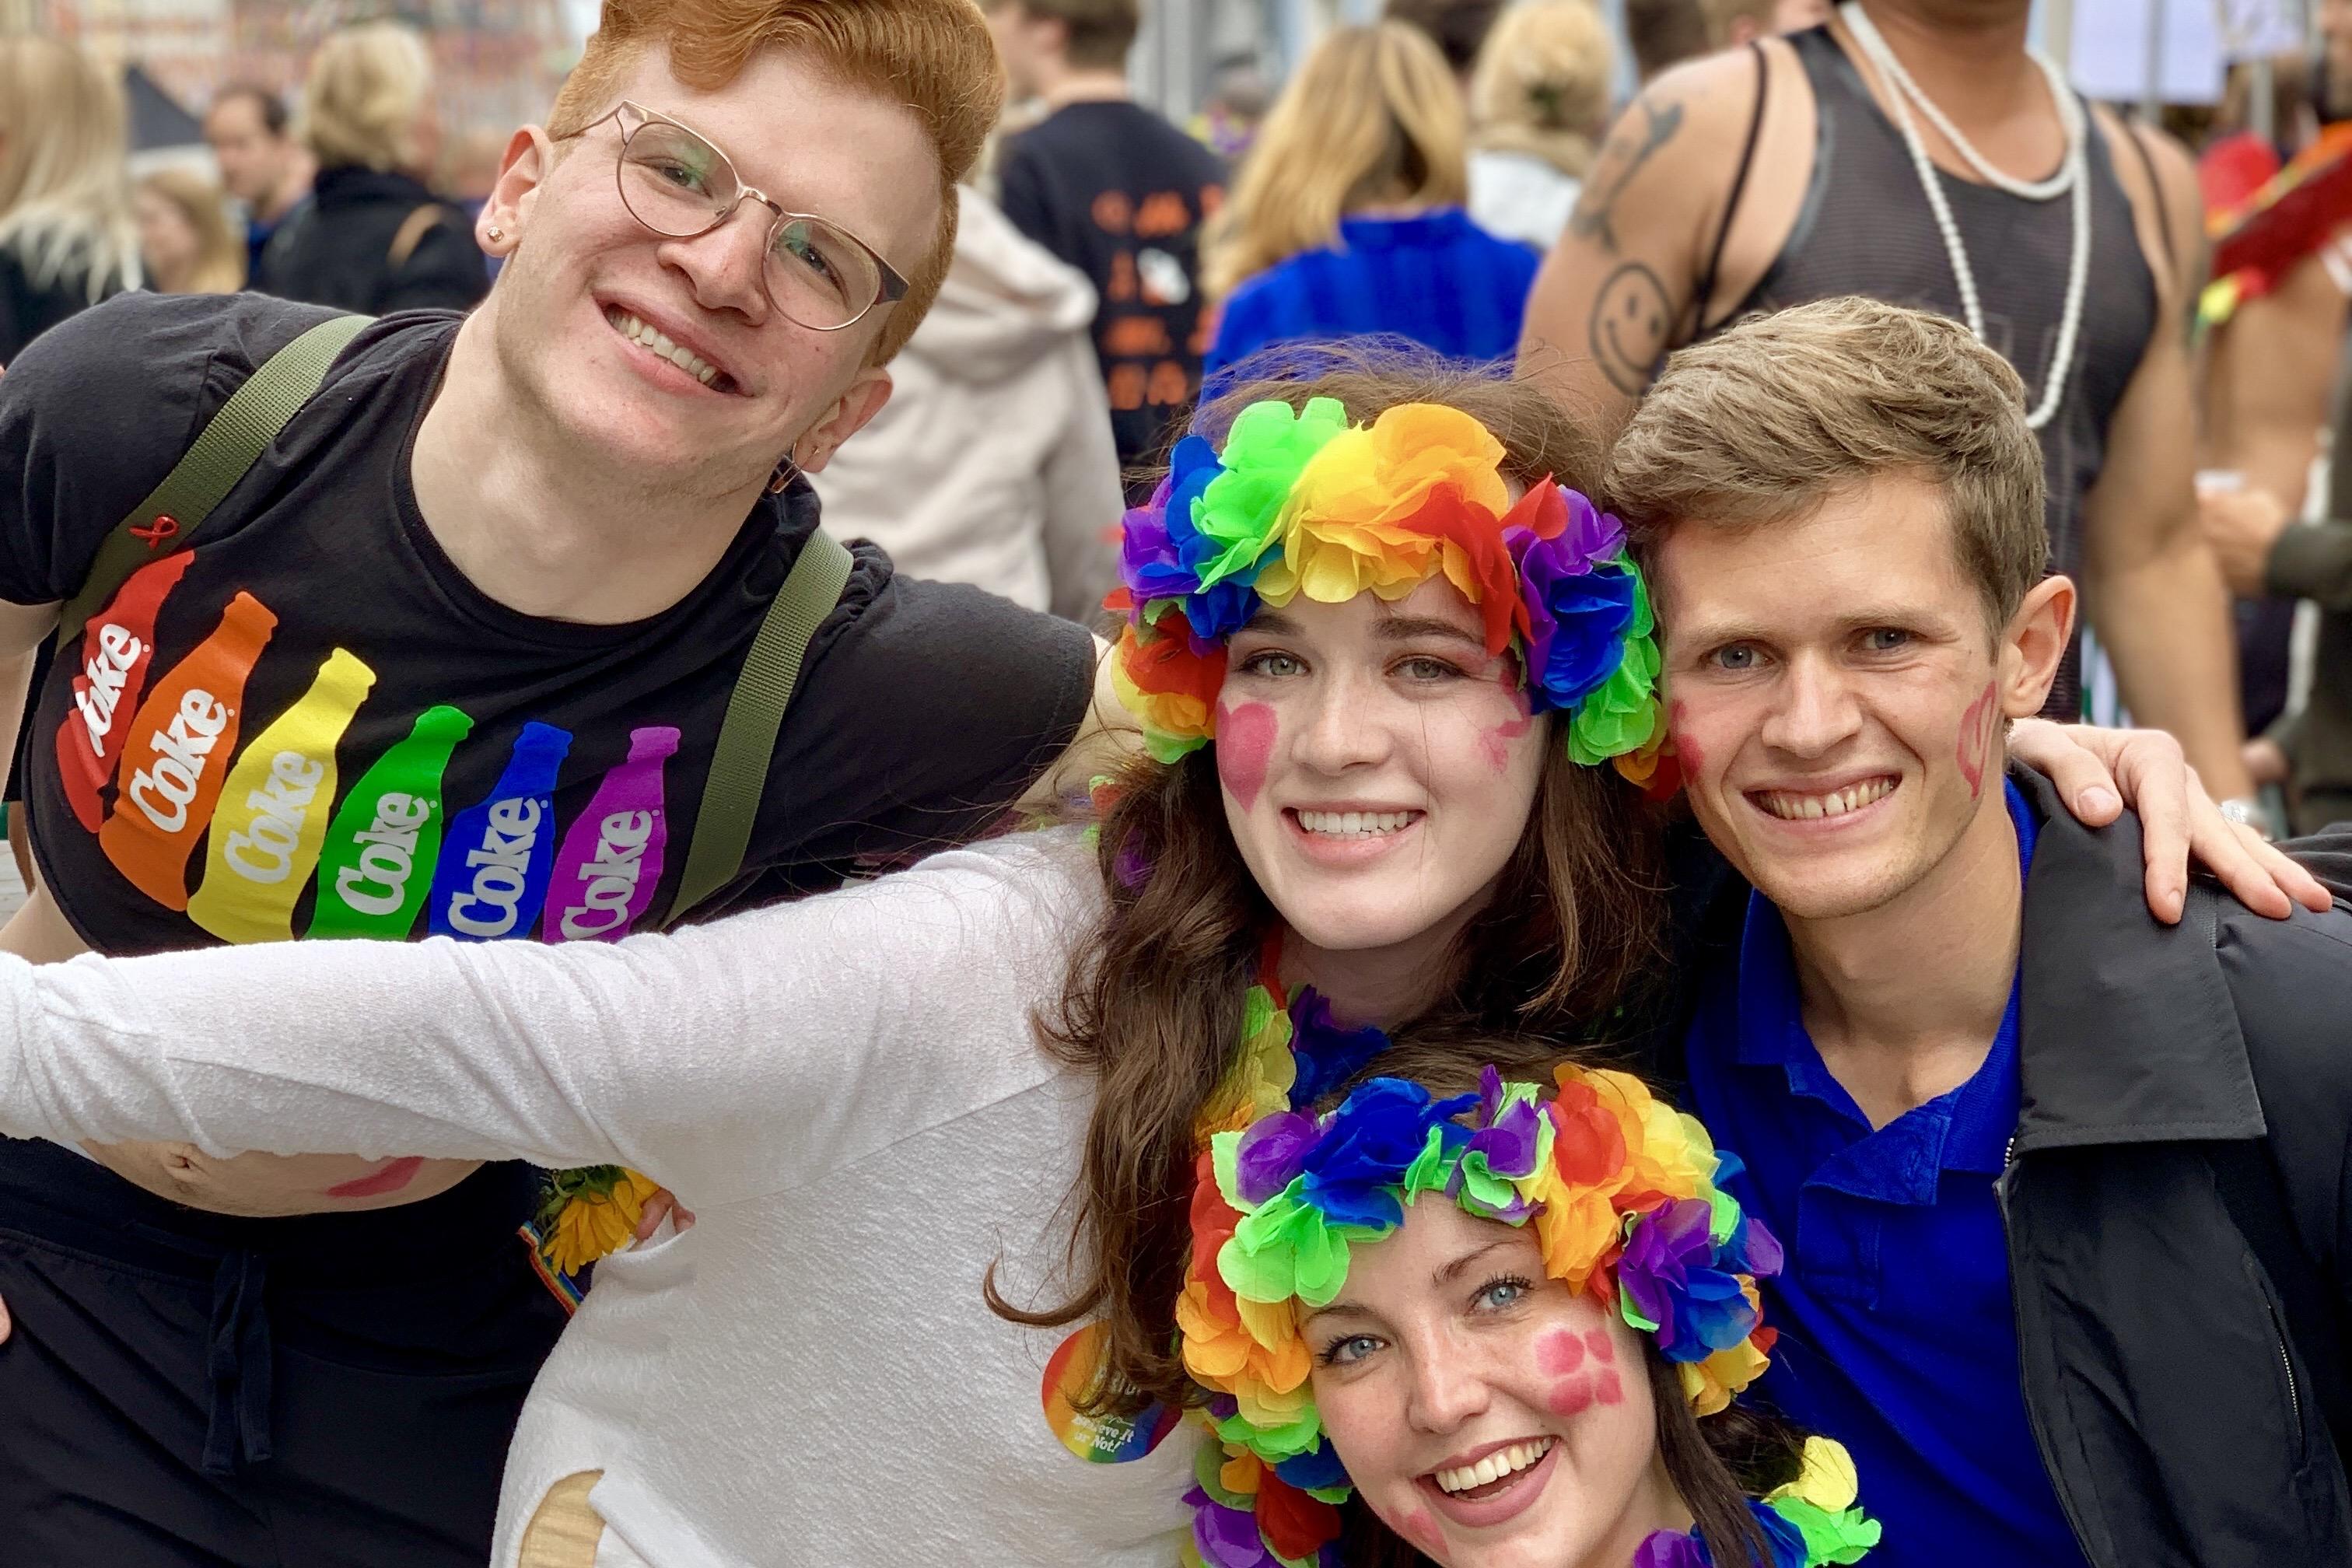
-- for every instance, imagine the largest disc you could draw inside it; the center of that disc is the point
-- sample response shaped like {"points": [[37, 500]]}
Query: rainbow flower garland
{"points": [[1807, 1524], [1300, 502]]}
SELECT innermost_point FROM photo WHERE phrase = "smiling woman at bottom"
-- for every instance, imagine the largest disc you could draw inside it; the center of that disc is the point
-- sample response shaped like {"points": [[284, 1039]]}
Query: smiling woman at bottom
{"points": [[1527, 1310]]}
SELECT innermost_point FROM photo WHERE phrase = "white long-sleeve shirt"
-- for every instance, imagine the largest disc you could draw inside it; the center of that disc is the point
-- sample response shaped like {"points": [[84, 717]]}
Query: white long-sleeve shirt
{"points": [[849, 1093]]}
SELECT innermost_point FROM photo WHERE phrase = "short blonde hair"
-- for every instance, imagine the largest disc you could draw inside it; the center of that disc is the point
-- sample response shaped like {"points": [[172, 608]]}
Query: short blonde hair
{"points": [[1543, 81], [65, 185], [368, 88], [935, 57], [1373, 119], [1764, 423], [220, 251]]}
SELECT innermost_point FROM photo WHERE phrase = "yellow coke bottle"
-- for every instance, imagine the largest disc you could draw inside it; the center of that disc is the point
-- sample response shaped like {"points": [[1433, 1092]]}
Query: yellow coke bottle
{"points": [[273, 810]]}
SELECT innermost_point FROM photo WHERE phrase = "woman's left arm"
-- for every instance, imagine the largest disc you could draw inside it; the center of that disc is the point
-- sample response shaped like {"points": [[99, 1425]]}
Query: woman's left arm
{"points": [[2100, 772]]}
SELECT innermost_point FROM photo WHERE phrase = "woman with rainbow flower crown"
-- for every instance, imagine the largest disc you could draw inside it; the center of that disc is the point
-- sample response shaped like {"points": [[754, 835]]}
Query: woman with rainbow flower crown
{"points": [[1397, 679]]}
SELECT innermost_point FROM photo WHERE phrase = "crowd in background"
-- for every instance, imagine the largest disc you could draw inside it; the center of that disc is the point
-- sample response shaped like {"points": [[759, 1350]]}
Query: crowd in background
{"points": [[1407, 179]]}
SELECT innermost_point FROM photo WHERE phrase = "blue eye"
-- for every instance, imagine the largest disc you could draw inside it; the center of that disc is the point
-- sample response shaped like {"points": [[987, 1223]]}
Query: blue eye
{"points": [[1738, 656], [1506, 1290], [1425, 667], [1348, 1351], [1271, 663], [1885, 639]]}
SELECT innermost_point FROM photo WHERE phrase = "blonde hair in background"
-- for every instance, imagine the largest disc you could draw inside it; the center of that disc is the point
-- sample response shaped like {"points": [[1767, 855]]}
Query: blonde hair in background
{"points": [[220, 255], [935, 57], [1761, 424], [368, 87], [1541, 85], [1373, 119], [65, 183]]}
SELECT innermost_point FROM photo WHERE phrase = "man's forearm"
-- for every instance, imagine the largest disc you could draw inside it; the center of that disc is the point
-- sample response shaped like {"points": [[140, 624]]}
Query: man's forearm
{"points": [[2165, 622]]}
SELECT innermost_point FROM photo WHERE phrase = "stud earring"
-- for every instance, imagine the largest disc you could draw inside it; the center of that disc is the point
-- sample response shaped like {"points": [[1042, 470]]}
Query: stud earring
{"points": [[496, 233]]}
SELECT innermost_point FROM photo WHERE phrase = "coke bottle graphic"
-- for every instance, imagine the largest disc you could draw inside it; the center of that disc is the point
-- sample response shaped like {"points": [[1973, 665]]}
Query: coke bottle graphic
{"points": [[611, 860], [117, 646], [273, 810], [377, 864], [177, 751], [492, 874]]}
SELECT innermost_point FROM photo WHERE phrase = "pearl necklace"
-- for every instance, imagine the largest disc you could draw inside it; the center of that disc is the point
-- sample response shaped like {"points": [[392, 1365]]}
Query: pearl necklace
{"points": [[2073, 175]]}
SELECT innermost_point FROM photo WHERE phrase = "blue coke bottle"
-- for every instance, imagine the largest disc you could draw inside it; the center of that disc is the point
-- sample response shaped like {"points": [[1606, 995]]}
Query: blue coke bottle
{"points": [[495, 856]]}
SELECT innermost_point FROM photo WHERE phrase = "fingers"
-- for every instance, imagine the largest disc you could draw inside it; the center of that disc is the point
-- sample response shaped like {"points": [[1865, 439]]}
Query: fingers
{"points": [[684, 1217], [4, 1324], [2286, 874], [2082, 777], [2254, 873], [2161, 785], [656, 1209]]}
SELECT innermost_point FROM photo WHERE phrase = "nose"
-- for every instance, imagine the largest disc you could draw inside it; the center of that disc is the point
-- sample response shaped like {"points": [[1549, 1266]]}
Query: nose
{"points": [[1344, 728], [1816, 712], [1447, 1388], [727, 266]]}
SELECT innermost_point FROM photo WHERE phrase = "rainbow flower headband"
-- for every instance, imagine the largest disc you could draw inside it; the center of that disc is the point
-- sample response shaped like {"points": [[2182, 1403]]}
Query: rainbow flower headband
{"points": [[1623, 1191], [1301, 503]]}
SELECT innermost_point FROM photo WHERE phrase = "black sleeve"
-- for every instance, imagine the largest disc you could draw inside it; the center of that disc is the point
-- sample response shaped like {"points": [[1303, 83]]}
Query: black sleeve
{"points": [[96, 411], [1021, 194], [2327, 855], [445, 272], [922, 716]]}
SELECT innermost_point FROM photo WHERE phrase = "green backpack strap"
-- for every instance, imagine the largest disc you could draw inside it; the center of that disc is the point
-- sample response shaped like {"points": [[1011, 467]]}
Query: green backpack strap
{"points": [[223, 451], [755, 711]]}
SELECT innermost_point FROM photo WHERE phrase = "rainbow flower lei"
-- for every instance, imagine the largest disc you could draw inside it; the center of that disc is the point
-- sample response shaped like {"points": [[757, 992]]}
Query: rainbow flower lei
{"points": [[1812, 1521], [1301, 503]]}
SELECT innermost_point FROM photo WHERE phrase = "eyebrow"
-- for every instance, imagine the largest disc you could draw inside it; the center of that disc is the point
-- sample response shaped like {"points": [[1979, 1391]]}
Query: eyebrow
{"points": [[1405, 628], [1453, 1270], [1715, 632]]}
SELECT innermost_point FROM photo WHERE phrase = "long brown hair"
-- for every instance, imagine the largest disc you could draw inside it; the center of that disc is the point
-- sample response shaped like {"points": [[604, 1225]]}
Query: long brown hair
{"points": [[1153, 1006]]}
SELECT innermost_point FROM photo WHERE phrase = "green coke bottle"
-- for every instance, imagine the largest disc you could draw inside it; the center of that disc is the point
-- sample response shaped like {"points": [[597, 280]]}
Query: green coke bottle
{"points": [[377, 864]]}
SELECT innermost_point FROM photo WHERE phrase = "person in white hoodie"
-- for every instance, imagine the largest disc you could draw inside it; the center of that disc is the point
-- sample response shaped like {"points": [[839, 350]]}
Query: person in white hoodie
{"points": [[993, 463]]}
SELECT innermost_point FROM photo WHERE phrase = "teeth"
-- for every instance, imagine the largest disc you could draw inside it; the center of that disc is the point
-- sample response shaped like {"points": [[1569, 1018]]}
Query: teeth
{"points": [[636, 331], [1355, 824], [1494, 1467], [1836, 803]]}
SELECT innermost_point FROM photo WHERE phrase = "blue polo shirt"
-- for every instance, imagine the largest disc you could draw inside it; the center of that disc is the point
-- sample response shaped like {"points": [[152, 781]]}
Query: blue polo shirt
{"points": [[1897, 1336]]}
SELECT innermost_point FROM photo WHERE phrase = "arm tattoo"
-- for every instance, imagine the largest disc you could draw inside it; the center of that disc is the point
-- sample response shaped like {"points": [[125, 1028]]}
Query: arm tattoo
{"points": [[1627, 150], [1631, 319]]}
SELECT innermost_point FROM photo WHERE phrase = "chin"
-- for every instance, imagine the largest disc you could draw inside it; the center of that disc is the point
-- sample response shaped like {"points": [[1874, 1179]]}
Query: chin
{"points": [[1828, 893]]}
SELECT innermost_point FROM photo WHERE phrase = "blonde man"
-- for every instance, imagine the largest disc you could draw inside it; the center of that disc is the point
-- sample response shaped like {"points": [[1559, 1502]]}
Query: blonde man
{"points": [[494, 585], [2063, 1186]]}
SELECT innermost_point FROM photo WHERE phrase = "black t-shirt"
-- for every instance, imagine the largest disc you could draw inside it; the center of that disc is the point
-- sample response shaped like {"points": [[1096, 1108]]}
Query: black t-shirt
{"points": [[312, 723], [1119, 194]]}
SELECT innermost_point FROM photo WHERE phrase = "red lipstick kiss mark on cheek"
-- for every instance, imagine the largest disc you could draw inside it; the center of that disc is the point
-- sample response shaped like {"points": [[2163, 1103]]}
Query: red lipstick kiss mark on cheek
{"points": [[1244, 748], [1976, 739], [391, 1179], [1560, 1353], [1685, 744], [1603, 1349]]}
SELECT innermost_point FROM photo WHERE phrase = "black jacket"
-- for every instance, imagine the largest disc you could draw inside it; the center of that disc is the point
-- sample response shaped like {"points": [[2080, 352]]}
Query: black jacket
{"points": [[346, 248], [2178, 1199], [2180, 1338]]}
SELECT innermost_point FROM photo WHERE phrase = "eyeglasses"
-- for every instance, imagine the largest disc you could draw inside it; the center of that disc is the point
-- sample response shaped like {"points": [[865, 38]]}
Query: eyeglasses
{"points": [[676, 184]]}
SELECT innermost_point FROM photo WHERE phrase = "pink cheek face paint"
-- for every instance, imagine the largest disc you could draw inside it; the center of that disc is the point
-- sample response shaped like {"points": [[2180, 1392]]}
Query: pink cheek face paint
{"points": [[1497, 741], [375, 1184], [1576, 1394], [1976, 739], [1598, 1341], [1245, 748], [1560, 1353], [1685, 744], [1422, 1531]]}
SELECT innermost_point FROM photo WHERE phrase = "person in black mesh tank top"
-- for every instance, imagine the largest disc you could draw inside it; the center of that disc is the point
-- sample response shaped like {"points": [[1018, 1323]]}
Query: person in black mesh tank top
{"points": [[1780, 174]]}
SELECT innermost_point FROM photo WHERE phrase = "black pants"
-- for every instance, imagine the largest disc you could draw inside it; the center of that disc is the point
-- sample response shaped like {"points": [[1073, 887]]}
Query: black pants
{"points": [[186, 1390]]}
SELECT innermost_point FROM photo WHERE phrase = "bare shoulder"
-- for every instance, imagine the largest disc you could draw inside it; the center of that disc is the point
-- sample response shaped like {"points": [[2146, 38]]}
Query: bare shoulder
{"points": [[2168, 212]]}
